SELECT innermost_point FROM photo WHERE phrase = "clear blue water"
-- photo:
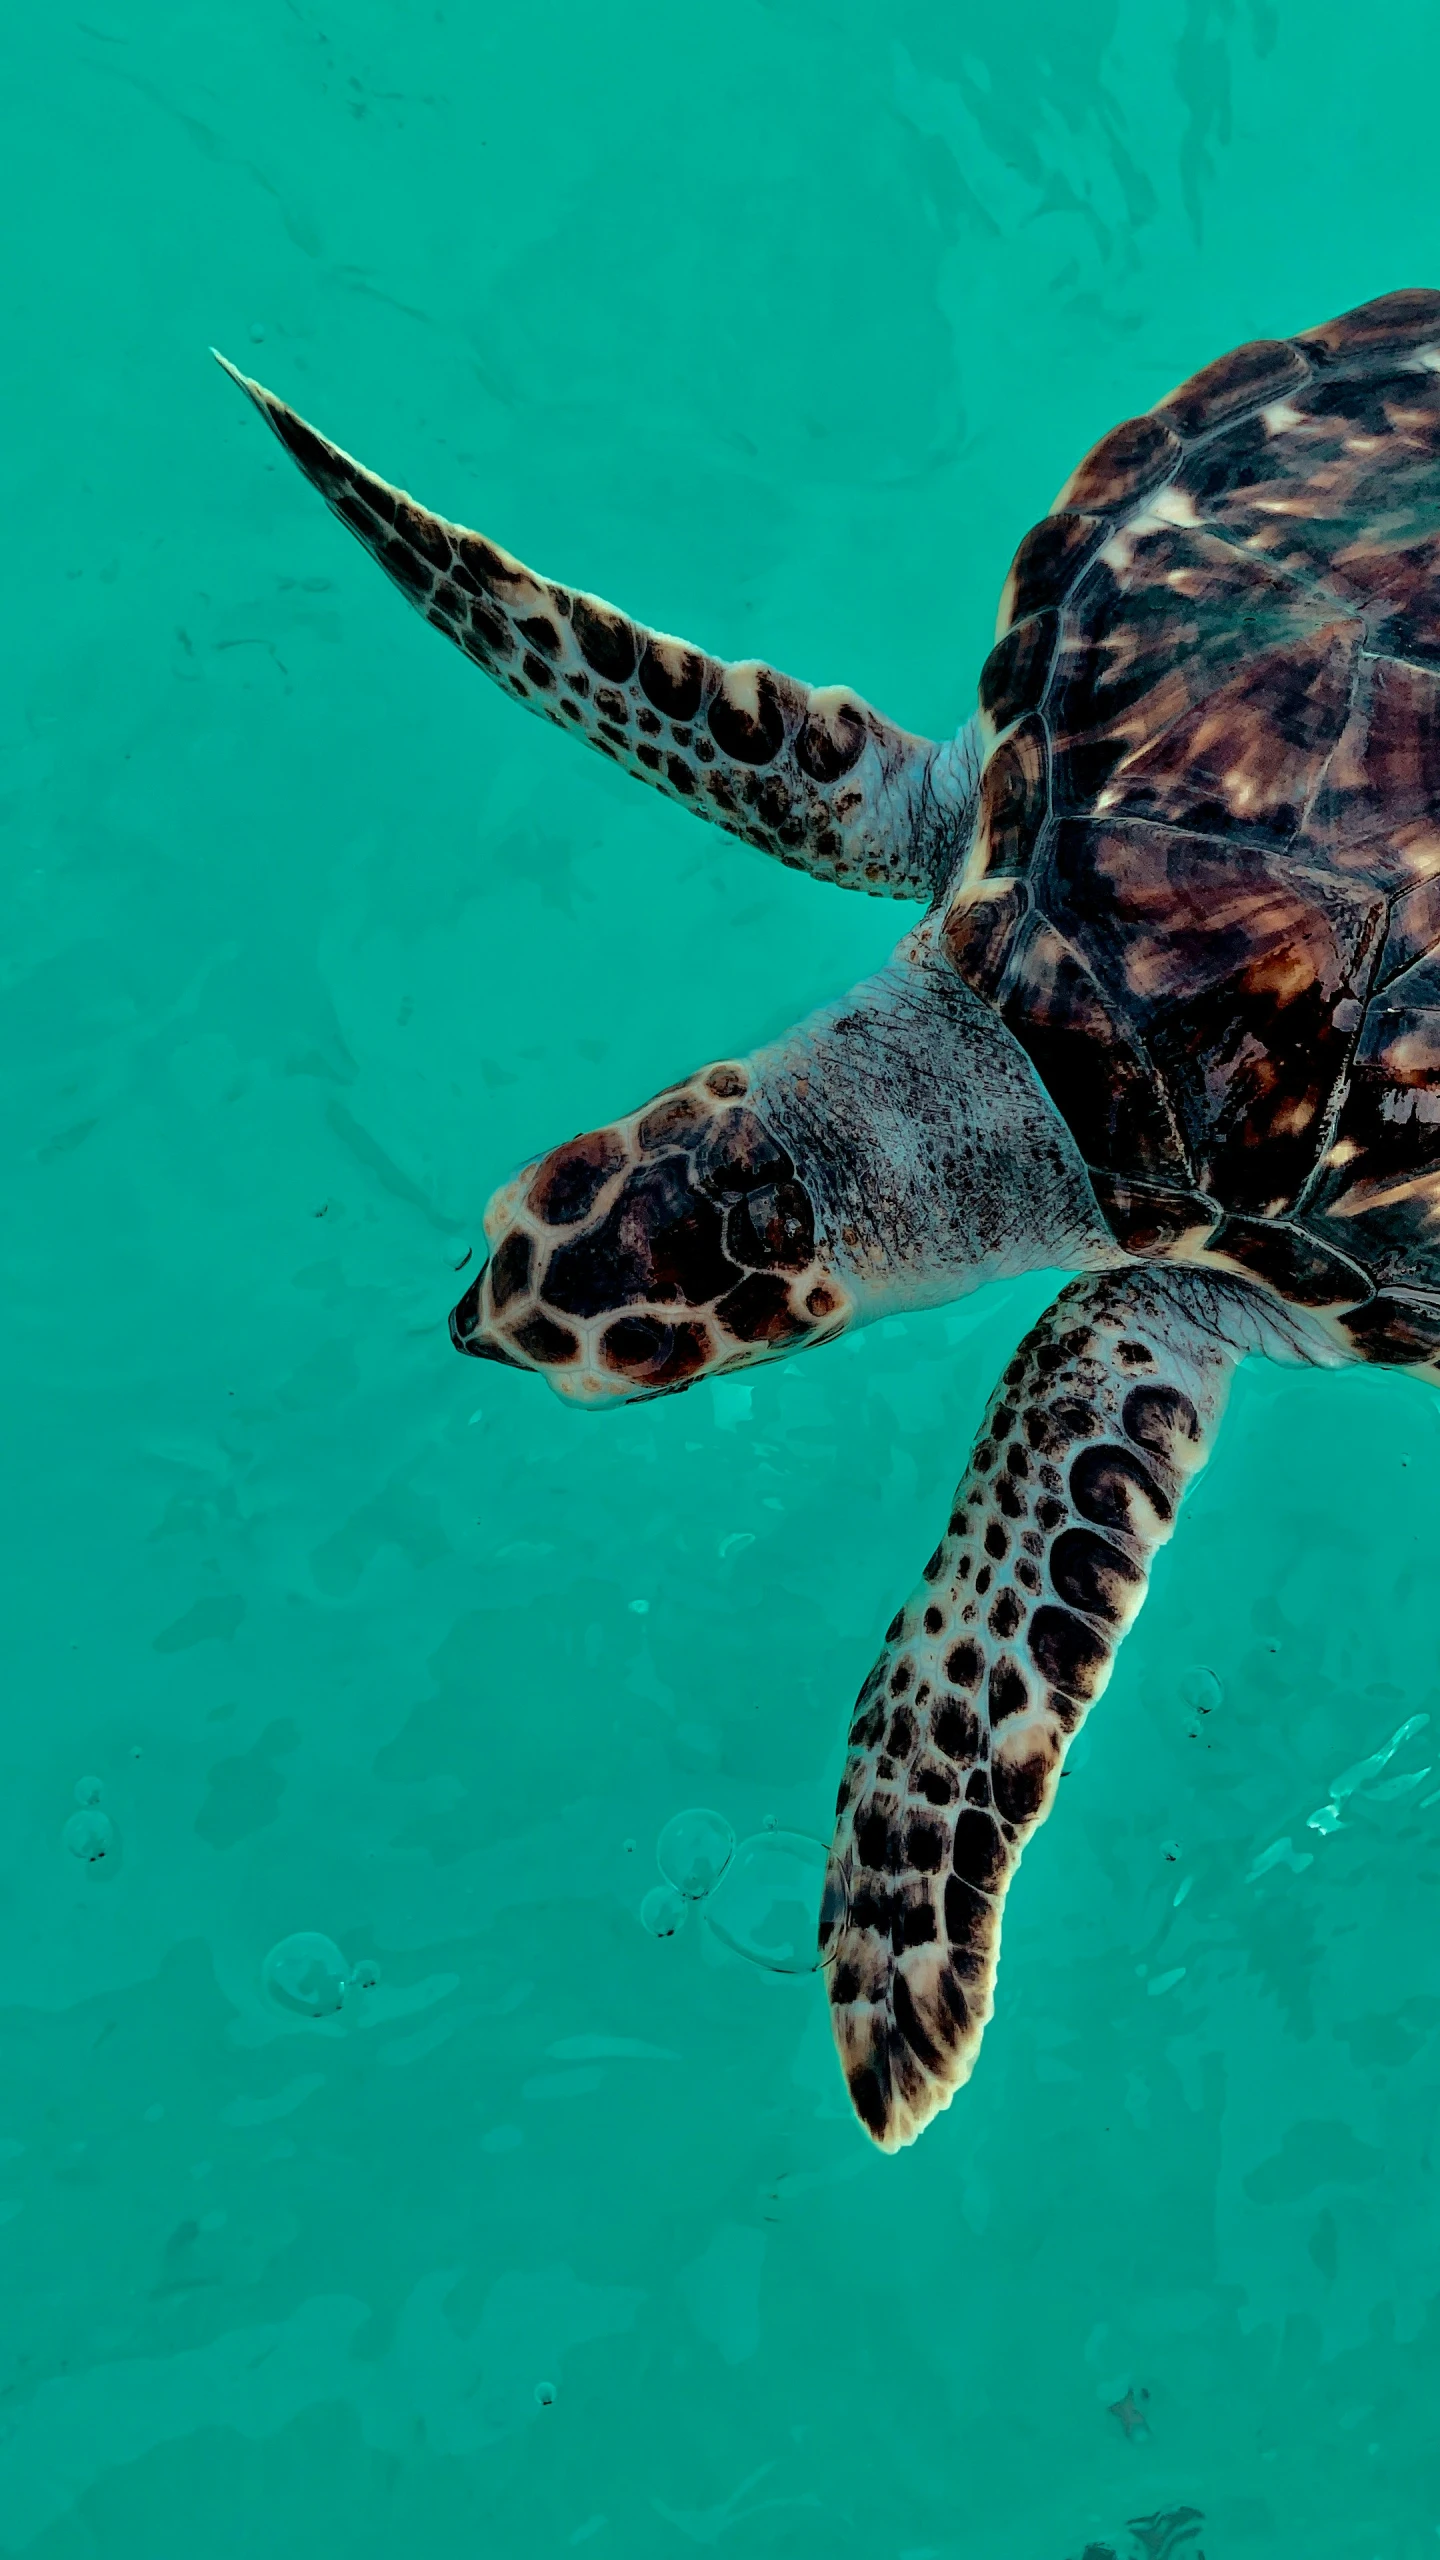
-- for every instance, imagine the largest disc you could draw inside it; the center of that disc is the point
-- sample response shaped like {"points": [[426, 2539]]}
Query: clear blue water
{"points": [[780, 324]]}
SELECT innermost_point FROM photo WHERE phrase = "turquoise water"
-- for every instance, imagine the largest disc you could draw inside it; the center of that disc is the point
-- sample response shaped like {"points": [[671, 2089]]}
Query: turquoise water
{"points": [[779, 324]]}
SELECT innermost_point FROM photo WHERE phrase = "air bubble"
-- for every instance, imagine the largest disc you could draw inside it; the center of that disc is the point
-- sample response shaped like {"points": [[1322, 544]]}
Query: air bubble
{"points": [[90, 1836], [694, 1850], [663, 1911], [767, 1905], [306, 1974]]}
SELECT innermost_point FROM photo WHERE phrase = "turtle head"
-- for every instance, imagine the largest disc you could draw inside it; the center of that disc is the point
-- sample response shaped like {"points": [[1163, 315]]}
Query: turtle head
{"points": [[675, 1243]]}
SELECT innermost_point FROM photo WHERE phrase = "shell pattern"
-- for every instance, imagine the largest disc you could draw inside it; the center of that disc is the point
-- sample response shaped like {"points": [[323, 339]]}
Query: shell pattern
{"points": [[1203, 887]]}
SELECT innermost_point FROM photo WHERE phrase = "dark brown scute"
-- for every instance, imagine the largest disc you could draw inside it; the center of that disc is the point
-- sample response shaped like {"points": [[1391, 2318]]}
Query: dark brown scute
{"points": [[422, 532], [1014, 799], [1246, 758], [980, 931], [478, 564], [1047, 562], [831, 739], [679, 1117], [1289, 1261], [751, 737], [541, 1339], [738, 1155], [673, 677], [772, 1228], [654, 1353], [570, 1180], [607, 641], [1379, 1185], [1407, 318], [1068, 1653], [321, 462], [1264, 370], [969, 1918], [1383, 781], [964, 1663], [1019, 1787], [978, 1853], [510, 1268], [1150, 1217], [1144, 645], [1014, 676], [759, 1310], [1123, 467], [1091, 1574], [1081, 1048], [955, 1730], [1163, 1420], [1395, 1329], [1006, 1692], [1116, 1490], [1241, 973], [659, 1241], [908, 2021]]}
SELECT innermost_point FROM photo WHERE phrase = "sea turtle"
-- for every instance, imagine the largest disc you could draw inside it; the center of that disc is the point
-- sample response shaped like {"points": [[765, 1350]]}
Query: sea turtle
{"points": [[1171, 1021]]}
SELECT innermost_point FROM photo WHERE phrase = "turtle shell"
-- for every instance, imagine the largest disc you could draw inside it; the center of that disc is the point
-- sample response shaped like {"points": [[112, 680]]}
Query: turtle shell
{"points": [[1203, 885]]}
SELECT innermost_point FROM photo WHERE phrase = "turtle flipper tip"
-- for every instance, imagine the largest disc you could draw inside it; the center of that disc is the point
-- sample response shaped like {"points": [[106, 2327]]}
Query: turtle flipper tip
{"points": [[264, 400]]}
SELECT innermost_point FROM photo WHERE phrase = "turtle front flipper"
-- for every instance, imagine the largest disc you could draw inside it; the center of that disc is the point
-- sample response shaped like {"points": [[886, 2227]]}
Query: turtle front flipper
{"points": [[960, 1731], [810, 774]]}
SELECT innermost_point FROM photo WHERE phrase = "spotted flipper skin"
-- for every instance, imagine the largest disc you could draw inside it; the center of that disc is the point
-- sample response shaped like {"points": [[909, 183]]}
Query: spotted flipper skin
{"points": [[960, 1731], [811, 775]]}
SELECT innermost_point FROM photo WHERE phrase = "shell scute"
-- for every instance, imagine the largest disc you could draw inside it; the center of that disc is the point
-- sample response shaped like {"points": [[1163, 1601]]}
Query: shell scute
{"points": [[1044, 568], [1264, 370], [1086, 1056], [1014, 676], [980, 933], [1379, 800], [1397, 1327], [1289, 1261], [1235, 970], [1405, 318], [1378, 1193], [1014, 800], [1124, 466]]}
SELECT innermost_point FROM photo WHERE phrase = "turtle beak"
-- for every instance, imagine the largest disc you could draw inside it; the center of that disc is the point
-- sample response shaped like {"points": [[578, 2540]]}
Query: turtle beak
{"points": [[469, 1331]]}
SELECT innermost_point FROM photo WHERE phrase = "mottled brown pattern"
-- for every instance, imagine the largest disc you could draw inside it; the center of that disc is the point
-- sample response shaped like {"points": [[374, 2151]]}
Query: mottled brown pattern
{"points": [[1377, 1195], [815, 777], [980, 932], [640, 1255], [1085, 1055], [960, 1731], [1377, 809], [1154, 1218], [1264, 370], [1242, 979], [1288, 1259], [1234, 856]]}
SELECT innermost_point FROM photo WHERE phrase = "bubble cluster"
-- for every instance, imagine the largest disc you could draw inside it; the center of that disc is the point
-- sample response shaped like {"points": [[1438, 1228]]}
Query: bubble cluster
{"points": [[307, 1974], [663, 1911], [694, 1850], [767, 1905], [762, 1898], [90, 1835]]}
